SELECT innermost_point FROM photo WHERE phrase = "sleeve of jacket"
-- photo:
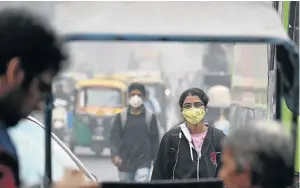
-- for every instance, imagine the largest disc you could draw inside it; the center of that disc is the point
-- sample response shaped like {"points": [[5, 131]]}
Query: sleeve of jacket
{"points": [[8, 172], [154, 137], [115, 135], [7, 179], [160, 168]]}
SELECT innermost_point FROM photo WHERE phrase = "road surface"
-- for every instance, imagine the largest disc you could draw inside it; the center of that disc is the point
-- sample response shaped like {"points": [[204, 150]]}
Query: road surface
{"points": [[102, 168]]}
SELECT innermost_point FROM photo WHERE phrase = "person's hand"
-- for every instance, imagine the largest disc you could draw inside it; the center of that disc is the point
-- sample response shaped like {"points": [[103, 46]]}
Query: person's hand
{"points": [[117, 161], [74, 179]]}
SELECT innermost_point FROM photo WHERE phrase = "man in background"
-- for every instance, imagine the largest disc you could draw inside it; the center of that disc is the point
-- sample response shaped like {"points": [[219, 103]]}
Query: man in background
{"points": [[134, 138]]}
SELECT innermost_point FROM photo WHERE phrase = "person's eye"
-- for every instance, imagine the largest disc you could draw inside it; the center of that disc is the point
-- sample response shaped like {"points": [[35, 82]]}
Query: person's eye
{"points": [[198, 104], [187, 105]]}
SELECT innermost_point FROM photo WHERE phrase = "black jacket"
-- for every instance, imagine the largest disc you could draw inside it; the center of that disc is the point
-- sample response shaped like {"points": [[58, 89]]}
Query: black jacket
{"points": [[135, 143], [174, 158]]}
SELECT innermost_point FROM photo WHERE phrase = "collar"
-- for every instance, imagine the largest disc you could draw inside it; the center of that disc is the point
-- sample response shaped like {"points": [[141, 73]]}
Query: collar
{"points": [[143, 109], [188, 136]]}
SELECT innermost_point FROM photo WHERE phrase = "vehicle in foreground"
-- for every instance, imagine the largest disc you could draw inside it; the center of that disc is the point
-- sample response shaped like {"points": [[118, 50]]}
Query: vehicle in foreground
{"points": [[263, 26], [29, 137]]}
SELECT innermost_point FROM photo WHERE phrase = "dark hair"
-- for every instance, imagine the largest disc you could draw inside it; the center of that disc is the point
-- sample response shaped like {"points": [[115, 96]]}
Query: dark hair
{"points": [[194, 92], [263, 146], [137, 86], [24, 35]]}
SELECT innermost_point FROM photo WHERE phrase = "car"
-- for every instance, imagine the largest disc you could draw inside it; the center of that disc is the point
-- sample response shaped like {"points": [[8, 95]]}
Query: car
{"points": [[29, 138]]}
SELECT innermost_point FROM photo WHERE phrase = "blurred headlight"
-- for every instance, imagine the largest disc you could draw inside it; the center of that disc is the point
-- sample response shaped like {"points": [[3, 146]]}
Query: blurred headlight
{"points": [[167, 92]]}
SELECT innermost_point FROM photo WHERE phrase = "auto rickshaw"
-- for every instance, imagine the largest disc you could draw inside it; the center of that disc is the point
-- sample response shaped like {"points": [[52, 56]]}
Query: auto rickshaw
{"points": [[238, 22], [97, 101]]}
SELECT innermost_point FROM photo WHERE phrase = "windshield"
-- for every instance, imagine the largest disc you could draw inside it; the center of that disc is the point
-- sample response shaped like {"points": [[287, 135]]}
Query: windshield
{"points": [[183, 66], [30, 143], [102, 97]]}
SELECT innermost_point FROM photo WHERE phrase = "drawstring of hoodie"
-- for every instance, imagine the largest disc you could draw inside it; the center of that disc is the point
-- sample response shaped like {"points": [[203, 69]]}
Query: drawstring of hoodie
{"points": [[188, 136], [191, 151]]}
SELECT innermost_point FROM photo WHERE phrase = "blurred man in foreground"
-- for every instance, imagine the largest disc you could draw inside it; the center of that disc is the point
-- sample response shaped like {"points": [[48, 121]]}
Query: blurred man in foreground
{"points": [[257, 156], [134, 138], [30, 57]]}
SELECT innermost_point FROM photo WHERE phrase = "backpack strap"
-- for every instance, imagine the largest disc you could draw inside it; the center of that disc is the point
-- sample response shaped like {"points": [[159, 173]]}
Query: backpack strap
{"points": [[123, 117], [148, 117]]}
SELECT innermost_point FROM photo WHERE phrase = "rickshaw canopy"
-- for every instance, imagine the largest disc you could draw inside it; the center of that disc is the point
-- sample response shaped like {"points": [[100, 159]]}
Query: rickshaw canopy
{"points": [[178, 22], [144, 77], [141, 76], [168, 20], [102, 82]]}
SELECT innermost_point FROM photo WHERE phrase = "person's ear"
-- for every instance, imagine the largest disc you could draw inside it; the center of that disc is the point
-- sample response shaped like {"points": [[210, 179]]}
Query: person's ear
{"points": [[14, 72]]}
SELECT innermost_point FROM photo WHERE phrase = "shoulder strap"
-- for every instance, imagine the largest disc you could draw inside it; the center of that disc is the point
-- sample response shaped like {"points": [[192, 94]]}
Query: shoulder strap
{"points": [[148, 118], [149, 114], [123, 117]]}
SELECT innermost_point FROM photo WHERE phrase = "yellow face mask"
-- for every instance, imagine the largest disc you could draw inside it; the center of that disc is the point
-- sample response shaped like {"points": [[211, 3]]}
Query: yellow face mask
{"points": [[194, 115]]}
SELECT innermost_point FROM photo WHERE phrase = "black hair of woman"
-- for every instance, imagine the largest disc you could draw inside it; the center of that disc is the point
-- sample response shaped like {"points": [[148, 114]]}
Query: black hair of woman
{"points": [[194, 92]]}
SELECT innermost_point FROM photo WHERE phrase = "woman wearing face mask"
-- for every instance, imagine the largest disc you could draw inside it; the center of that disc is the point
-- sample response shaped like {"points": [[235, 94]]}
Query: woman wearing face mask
{"points": [[134, 138], [191, 150]]}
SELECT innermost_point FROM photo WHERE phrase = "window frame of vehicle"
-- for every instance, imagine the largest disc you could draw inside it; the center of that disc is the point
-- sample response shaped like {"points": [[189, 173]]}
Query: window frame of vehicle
{"points": [[59, 144]]}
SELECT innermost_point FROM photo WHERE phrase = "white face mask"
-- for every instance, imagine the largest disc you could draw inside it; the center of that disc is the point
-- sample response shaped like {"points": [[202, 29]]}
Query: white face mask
{"points": [[135, 101]]}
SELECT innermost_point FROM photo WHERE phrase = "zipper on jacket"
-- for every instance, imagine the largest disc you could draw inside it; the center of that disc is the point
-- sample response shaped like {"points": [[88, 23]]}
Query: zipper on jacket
{"points": [[198, 161]]}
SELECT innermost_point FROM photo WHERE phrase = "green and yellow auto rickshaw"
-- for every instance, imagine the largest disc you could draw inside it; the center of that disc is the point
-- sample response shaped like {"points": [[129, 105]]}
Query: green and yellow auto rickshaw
{"points": [[156, 87], [97, 101]]}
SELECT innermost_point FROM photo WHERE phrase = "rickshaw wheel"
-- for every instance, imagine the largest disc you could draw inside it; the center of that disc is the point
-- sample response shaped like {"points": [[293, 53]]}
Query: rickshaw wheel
{"points": [[98, 151]]}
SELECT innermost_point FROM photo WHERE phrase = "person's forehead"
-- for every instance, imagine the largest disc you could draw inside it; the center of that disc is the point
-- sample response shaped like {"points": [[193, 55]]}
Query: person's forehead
{"points": [[191, 99], [135, 92]]}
